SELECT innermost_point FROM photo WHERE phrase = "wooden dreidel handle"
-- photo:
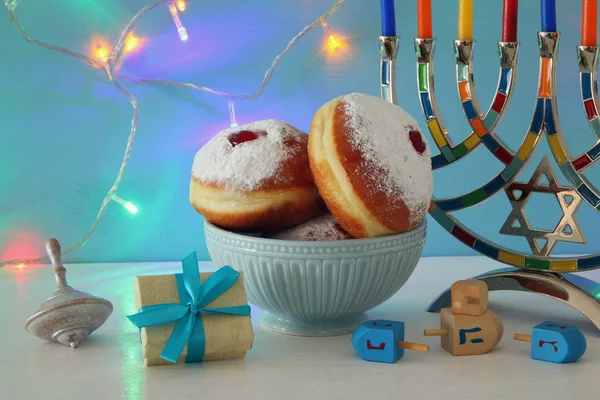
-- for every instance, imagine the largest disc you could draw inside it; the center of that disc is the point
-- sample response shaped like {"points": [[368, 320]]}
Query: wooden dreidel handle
{"points": [[413, 346], [469, 297], [435, 332], [522, 337], [463, 335], [555, 342], [382, 341]]}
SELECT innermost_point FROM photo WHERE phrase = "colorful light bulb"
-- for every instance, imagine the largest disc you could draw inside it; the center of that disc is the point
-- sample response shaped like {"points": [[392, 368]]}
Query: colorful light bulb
{"points": [[102, 53], [181, 5], [129, 206], [180, 28], [234, 123], [132, 208], [333, 44], [131, 43]]}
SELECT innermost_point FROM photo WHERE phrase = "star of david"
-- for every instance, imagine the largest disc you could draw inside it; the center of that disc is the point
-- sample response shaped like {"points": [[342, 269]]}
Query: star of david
{"points": [[542, 241]]}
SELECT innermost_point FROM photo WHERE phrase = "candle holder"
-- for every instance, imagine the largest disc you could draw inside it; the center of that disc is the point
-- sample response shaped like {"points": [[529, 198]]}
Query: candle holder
{"points": [[388, 47], [539, 272]]}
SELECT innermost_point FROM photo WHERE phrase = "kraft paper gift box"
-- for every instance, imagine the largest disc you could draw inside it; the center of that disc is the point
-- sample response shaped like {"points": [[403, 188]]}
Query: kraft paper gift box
{"points": [[223, 322]]}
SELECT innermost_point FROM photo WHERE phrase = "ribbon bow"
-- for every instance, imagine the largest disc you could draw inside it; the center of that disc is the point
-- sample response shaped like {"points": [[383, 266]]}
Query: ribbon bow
{"points": [[194, 298]]}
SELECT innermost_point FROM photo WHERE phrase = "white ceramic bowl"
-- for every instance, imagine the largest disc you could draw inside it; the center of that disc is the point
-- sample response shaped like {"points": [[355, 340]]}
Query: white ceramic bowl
{"points": [[317, 288]]}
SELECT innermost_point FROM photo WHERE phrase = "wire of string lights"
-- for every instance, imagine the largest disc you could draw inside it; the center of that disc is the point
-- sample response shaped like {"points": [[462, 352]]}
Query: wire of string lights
{"points": [[111, 65]]}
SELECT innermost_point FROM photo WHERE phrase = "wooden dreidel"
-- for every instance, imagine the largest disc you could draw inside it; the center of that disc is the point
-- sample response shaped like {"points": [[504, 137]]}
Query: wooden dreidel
{"points": [[469, 297], [464, 335], [555, 342], [382, 341]]}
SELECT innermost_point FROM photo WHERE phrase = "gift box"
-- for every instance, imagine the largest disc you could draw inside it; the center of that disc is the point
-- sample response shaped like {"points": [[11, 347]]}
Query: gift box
{"points": [[192, 316]]}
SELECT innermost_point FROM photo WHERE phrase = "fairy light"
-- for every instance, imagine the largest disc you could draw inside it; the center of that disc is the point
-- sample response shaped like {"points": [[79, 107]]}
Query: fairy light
{"points": [[234, 123], [131, 43], [181, 5], [20, 267], [110, 64], [101, 53], [129, 206], [175, 14], [333, 43]]}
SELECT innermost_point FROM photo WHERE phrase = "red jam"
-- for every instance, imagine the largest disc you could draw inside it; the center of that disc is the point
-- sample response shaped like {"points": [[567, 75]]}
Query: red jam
{"points": [[417, 141], [243, 137]]}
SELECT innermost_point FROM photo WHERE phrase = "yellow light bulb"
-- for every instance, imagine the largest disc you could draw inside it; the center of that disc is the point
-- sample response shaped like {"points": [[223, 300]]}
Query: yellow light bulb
{"points": [[131, 42], [20, 267], [181, 6], [102, 53], [333, 44]]}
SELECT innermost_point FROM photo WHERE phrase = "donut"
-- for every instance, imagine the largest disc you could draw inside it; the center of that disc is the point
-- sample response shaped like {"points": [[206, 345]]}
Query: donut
{"points": [[371, 164], [320, 228], [255, 178]]}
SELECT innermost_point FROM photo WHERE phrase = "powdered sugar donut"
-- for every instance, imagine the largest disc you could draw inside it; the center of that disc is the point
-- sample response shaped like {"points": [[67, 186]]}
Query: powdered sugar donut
{"points": [[323, 227], [255, 178], [371, 164]]}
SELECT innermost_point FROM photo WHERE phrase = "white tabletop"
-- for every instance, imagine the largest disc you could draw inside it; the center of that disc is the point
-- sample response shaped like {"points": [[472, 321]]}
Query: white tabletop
{"points": [[109, 365]]}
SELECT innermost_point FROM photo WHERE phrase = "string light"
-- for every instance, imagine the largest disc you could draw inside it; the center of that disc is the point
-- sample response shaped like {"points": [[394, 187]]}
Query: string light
{"points": [[129, 206], [333, 43], [175, 14], [102, 53], [110, 65], [20, 267], [234, 123], [131, 43], [181, 5]]}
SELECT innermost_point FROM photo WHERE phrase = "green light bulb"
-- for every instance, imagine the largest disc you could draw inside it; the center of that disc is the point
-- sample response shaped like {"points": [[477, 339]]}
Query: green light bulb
{"points": [[129, 206]]}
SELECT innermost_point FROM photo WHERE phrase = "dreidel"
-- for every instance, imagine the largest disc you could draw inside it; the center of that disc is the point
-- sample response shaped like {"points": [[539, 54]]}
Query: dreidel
{"points": [[382, 341], [469, 297], [555, 342], [464, 335]]}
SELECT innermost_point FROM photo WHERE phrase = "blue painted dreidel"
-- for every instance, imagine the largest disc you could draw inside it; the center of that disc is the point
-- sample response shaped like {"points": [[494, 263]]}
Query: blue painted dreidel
{"points": [[382, 341], [555, 342]]}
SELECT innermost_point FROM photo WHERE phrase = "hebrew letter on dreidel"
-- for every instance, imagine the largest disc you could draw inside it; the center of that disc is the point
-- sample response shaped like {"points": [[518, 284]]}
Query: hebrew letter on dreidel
{"points": [[382, 341], [555, 342], [463, 335]]}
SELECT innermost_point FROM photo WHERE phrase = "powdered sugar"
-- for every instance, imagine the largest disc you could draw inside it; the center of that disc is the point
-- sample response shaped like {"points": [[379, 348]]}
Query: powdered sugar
{"points": [[245, 166], [323, 227], [382, 134]]}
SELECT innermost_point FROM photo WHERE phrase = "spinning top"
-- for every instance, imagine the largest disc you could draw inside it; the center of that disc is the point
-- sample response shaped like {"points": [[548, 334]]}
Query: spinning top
{"points": [[382, 341], [555, 342], [69, 315]]}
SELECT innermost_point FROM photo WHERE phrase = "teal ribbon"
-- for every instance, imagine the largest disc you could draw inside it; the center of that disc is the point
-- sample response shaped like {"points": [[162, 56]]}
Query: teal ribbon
{"points": [[194, 297]]}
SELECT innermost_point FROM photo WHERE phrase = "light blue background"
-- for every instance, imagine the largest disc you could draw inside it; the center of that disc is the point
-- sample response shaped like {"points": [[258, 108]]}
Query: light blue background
{"points": [[64, 127]]}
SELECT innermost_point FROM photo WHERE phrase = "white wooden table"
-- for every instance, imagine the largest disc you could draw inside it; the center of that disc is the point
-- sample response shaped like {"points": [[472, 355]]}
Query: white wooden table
{"points": [[109, 364]]}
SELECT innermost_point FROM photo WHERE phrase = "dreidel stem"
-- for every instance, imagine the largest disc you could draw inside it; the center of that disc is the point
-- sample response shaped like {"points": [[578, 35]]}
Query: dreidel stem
{"points": [[413, 346], [522, 337], [435, 332]]}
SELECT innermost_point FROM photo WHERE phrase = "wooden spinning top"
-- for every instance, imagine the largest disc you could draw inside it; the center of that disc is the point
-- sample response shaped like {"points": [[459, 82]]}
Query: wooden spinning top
{"points": [[69, 315]]}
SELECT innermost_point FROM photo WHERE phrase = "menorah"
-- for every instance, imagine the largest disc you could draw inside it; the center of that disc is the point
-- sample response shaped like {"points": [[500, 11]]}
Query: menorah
{"points": [[538, 272]]}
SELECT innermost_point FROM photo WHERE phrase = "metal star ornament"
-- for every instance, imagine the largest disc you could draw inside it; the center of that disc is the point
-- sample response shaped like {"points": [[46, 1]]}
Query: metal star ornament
{"points": [[542, 241]]}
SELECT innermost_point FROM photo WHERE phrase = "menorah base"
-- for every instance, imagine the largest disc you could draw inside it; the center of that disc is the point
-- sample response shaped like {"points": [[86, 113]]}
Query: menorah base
{"points": [[580, 293]]}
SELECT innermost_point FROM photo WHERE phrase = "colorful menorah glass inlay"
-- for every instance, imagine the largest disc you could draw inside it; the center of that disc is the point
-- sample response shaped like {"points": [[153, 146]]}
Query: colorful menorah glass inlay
{"points": [[544, 121]]}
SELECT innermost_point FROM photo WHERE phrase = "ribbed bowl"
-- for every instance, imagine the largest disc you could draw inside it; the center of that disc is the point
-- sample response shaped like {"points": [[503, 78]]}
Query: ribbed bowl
{"points": [[318, 288]]}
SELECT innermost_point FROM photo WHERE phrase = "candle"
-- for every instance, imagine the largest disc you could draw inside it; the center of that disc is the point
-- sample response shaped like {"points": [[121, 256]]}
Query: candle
{"points": [[548, 15], [589, 22], [388, 18], [509, 20], [424, 30], [465, 19]]}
